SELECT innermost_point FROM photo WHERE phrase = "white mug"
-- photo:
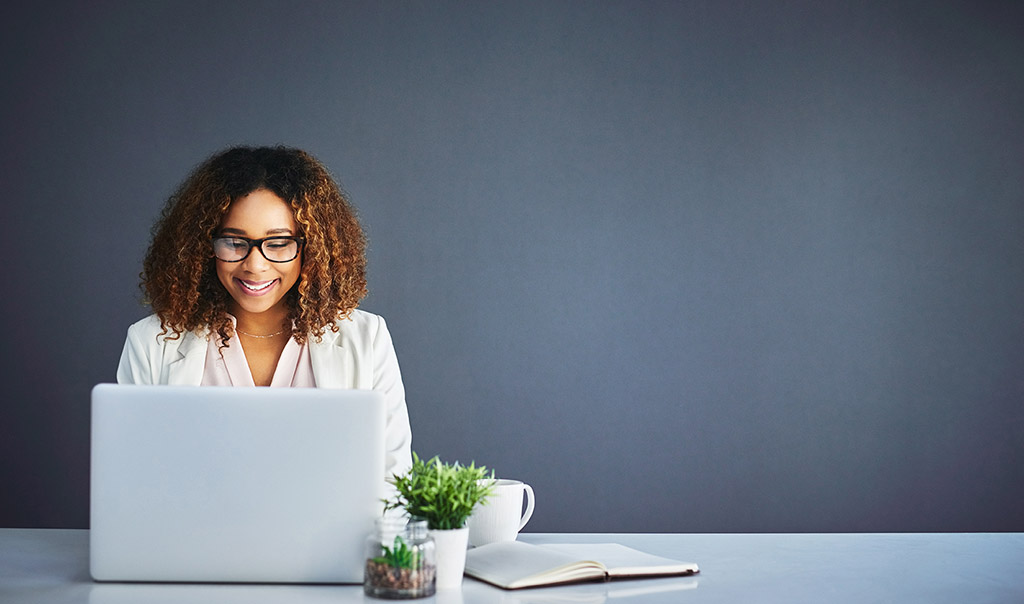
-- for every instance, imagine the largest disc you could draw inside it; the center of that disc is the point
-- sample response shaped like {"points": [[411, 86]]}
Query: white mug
{"points": [[501, 516]]}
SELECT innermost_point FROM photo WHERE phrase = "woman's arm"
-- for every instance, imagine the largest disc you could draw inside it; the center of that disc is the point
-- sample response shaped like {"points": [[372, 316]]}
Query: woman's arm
{"points": [[388, 379]]}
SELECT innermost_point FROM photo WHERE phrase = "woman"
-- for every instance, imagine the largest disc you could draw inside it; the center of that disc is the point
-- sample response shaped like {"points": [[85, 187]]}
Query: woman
{"points": [[254, 273]]}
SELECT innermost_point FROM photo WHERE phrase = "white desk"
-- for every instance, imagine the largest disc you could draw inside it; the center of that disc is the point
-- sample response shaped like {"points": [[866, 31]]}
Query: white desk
{"points": [[41, 565]]}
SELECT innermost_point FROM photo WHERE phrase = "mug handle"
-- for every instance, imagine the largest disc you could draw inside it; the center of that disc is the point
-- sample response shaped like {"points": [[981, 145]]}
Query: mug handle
{"points": [[529, 506]]}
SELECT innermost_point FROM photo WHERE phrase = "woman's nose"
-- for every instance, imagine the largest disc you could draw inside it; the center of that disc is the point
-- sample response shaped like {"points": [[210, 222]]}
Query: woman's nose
{"points": [[256, 261]]}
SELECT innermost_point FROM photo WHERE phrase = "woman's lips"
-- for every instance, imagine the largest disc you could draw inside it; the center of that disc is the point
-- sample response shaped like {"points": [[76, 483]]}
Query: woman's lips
{"points": [[255, 288]]}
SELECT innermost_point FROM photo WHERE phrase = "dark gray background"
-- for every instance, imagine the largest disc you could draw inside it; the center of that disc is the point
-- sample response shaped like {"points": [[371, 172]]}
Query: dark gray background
{"points": [[682, 266]]}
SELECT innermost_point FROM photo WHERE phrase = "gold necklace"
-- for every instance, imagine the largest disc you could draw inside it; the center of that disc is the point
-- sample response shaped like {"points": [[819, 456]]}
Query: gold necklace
{"points": [[252, 335]]}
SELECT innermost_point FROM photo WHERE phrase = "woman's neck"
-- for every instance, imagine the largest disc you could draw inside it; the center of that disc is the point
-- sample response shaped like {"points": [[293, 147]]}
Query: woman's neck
{"points": [[260, 324]]}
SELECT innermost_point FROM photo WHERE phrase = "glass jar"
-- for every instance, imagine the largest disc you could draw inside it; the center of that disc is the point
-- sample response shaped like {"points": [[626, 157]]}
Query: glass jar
{"points": [[400, 560]]}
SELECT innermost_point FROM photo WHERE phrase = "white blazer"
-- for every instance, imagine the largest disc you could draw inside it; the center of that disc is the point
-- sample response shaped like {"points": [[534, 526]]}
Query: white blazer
{"points": [[359, 355]]}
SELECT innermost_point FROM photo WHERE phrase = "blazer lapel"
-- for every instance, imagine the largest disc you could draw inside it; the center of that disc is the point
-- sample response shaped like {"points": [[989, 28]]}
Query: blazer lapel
{"points": [[331, 362], [187, 369]]}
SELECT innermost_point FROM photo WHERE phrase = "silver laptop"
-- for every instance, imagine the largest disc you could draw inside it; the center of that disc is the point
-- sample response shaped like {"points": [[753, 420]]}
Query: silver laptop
{"points": [[219, 484]]}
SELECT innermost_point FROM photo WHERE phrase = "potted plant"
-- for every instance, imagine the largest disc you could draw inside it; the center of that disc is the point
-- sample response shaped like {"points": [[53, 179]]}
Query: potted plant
{"points": [[444, 495]]}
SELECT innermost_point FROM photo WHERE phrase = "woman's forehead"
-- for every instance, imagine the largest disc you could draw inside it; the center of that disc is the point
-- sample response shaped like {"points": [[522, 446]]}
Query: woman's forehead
{"points": [[260, 212]]}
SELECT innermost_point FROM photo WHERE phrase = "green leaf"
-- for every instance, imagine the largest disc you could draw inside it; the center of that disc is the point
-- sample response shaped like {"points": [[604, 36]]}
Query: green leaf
{"points": [[444, 494]]}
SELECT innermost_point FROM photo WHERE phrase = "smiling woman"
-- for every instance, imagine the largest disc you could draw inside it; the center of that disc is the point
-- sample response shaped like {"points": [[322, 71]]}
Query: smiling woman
{"points": [[255, 271]]}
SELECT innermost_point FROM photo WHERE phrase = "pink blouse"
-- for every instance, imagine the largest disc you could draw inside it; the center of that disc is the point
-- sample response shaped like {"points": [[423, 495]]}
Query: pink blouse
{"points": [[229, 367]]}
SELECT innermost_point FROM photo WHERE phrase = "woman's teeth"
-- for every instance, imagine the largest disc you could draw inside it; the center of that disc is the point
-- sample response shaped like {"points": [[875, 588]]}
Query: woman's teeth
{"points": [[256, 287]]}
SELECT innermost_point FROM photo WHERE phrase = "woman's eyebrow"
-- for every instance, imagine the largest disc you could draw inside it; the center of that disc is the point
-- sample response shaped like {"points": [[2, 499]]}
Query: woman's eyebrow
{"points": [[285, 231]]}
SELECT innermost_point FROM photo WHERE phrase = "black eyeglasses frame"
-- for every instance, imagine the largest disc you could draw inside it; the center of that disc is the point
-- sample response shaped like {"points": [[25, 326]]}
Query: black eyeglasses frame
{"points": [[258, 244]]}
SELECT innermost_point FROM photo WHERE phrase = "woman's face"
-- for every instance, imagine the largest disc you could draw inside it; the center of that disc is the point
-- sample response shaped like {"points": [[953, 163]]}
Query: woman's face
{"points": [[255, 284]]}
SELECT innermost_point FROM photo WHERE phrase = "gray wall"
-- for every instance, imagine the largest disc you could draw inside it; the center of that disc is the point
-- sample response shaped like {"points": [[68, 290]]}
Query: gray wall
{"points": [[683, 266]]}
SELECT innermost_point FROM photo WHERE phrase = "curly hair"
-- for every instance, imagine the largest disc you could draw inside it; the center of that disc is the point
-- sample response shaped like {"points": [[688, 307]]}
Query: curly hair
{"points": [[179, 277]]}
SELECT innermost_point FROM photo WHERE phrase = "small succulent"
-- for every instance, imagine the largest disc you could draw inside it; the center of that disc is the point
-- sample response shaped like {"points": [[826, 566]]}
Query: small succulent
{"points": [[398, 556]]}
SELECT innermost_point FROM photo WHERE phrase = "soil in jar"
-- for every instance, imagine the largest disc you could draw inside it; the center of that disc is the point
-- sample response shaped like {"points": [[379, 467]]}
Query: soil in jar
{"points": [[386, 581]]}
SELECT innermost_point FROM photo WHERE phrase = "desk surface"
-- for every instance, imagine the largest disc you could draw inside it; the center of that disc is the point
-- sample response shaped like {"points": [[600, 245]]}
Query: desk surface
{"points": [[51, 565]]}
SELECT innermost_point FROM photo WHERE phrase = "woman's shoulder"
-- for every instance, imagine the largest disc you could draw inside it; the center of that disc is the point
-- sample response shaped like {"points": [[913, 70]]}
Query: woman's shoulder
{"points": [[360, 318], [360, 321], [145, 325], [150, 329], [358, 324]]}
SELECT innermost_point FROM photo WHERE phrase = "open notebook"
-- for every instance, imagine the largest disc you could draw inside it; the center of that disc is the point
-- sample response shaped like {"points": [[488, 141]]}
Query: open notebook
{"points": [[514, 564]]}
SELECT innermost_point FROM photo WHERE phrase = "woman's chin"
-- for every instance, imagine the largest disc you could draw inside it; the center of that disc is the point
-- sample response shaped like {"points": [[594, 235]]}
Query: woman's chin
{"points": [[257, 306]]}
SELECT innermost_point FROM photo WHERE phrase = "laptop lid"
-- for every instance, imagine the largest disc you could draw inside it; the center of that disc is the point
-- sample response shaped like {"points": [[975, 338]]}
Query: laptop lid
{"points": [[221, 484]]}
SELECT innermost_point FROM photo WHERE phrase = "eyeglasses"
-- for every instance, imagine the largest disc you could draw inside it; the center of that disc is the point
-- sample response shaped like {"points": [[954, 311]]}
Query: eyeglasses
{"points": [[274, 249]]}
